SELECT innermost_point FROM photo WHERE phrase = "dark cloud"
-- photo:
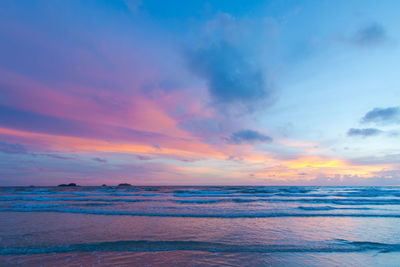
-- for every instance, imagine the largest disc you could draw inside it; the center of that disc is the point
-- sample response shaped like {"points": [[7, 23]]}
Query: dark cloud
{"points": [[365, 132], [369, 35], [101, 160], [20, 149], [54, 156], [140, 157], [156, 146], [248, 136], [234, 158], [382, 115], [232, 77], [12, 148]]}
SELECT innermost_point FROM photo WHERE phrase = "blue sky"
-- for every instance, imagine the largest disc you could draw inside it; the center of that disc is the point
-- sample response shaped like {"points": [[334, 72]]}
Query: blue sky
{"points": [[199, 92]]}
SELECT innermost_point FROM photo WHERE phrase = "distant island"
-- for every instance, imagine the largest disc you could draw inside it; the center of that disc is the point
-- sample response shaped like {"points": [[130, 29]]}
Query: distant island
{"points": [[70, 184], [124, 184], [104, 185]]}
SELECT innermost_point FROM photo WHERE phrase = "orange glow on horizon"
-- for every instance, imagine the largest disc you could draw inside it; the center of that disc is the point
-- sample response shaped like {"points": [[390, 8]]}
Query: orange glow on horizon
{"points": [[260, 166]]}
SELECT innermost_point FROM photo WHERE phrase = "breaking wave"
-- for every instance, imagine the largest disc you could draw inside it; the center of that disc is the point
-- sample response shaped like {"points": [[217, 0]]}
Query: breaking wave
{"points": [[145, 245]]}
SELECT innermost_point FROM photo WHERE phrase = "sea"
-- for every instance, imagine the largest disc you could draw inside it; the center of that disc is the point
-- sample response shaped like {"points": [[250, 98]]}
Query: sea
{"points": [[199, 226]]}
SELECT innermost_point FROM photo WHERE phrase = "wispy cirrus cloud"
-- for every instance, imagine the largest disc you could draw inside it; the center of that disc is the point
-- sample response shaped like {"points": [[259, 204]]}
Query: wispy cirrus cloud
{"points": [[35, 122], [369, 35]]}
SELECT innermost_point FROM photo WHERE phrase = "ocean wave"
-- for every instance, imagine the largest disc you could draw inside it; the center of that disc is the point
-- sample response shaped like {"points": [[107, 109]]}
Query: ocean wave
{"points": [[202, 215], [146, 245], [346, 193], [199, 201], [51, 199], [247, 190], [52, 205], [208, 200], [316, 208]]}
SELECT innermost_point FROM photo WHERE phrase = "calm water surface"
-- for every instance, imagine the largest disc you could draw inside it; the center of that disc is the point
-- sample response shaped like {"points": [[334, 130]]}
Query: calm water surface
{"points": [[192, 226]]}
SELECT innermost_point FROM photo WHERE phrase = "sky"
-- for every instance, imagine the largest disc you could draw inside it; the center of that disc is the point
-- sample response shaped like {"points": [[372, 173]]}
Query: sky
{"points": [[199, 92]]}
